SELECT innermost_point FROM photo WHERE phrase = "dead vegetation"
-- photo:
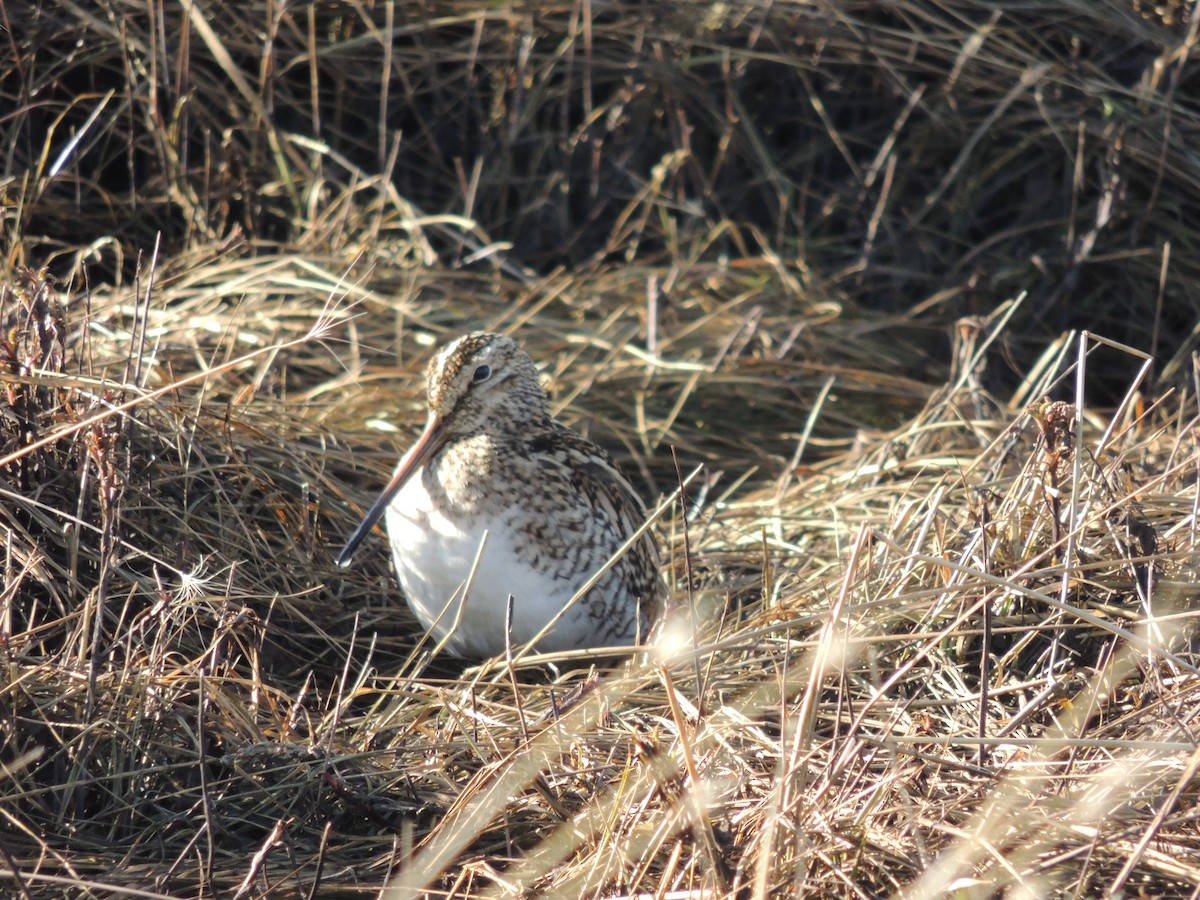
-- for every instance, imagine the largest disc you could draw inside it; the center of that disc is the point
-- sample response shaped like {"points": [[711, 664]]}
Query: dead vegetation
{"points": [[933, 588]]}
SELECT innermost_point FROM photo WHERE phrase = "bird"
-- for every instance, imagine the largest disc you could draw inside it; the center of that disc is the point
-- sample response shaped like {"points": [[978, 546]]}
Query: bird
{"points": [[498, 499]]}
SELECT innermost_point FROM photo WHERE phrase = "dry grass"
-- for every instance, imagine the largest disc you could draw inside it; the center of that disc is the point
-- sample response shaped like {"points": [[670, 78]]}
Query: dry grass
{"points": [[930, 634]]}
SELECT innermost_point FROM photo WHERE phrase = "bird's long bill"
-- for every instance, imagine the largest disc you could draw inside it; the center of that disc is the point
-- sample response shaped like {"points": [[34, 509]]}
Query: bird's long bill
{"points": [[427, 444]]}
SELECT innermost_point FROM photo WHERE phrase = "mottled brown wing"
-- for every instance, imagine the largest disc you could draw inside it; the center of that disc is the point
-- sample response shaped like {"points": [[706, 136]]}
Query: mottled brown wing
{"points": [[594, 473]]}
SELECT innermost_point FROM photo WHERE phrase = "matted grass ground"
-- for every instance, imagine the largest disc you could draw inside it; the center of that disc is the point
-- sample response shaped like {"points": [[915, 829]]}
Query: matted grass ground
{"points": [[818, 269]]}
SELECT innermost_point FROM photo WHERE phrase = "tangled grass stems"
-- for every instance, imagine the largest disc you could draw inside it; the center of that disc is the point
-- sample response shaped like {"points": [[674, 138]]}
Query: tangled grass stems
{"points": [[931, 633]]}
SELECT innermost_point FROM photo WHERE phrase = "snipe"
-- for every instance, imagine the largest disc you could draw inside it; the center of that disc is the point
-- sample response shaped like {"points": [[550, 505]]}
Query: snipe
{"points": [[548, 506]]}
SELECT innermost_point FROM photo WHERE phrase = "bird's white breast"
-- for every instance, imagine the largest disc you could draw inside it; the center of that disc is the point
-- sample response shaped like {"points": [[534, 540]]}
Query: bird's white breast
{"points": [[434, 551]]}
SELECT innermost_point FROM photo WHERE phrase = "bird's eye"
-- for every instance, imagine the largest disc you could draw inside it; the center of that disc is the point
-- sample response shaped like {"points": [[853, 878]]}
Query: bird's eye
{"points": [[483, 373]]}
